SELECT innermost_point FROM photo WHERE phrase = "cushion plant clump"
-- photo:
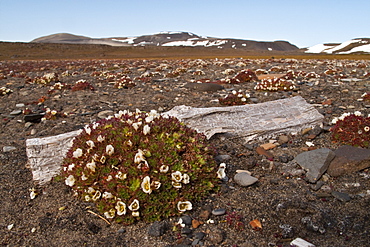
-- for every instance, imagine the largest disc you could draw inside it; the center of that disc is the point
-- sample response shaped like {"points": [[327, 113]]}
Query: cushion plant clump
{"points": [[140, 166]]}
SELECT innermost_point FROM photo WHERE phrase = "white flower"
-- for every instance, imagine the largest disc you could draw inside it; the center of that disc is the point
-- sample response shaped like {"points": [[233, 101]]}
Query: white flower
{"points": [[183, 206], [121, 175], [139, 156], [334, 121], [110, 214], [366, 128], [148, 119], [176, 176], [107, 195], [135, 213], [145, 185], [121, 208], [77, 153], [91, 166], [33, 193], [70, 180], [185, 178], [100, 138], [88, 130], [357, 113], [136, 125], [129, 143], [90, 143], [87, 198], [83, 177], [156, 184], [164, 168], [70, 167], [109, 178], [109, 149], [146, 129], [90, 190], [134, 206], [97, 195], [53, 112], [221, 174], [176, 185], [103, 159]]}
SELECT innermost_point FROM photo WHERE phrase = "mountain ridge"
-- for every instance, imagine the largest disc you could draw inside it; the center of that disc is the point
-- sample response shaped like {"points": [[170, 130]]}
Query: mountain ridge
{"points": [[357, 45], [170, 39]]}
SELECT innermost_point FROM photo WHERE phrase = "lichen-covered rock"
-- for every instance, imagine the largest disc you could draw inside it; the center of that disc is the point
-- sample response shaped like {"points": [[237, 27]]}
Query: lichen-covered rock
{"points": [[140, 166]]}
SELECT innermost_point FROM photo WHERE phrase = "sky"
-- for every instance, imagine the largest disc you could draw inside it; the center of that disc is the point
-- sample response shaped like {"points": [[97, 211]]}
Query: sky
{"points": [[303, 23]]}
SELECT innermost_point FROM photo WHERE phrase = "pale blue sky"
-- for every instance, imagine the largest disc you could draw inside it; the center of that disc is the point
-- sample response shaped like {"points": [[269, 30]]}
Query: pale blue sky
{"points": [[301, 22]]}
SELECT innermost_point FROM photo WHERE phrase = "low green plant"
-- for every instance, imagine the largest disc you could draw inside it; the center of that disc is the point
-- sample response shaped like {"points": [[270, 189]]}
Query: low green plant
{"points": [[352, 129], [140, 166]]}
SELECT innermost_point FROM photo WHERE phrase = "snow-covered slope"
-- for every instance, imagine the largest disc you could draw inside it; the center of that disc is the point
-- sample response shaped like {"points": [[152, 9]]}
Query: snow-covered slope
{"points": [[361, 45]]}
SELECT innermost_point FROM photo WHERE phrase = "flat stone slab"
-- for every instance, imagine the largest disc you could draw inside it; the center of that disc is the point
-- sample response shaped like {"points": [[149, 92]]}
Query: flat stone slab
{"points": [[263, 120], [315, 162], [349, 159]]}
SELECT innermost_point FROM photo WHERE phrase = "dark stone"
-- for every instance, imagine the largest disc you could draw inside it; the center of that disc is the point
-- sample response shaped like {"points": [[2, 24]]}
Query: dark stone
{"points": [[204, 86], [157, 228], [222, 158], [186, 230], [93, 228], [199, 235], [344, 197], [186, 219], [34, 118]]}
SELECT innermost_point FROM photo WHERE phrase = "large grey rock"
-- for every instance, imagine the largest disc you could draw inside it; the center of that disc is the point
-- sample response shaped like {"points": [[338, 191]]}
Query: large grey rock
{"points": [[315, 162], [349, 159]]}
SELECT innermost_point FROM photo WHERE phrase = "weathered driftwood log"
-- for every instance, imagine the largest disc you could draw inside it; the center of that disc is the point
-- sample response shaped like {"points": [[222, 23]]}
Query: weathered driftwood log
{"points": [[251, 121], [45, 155]]}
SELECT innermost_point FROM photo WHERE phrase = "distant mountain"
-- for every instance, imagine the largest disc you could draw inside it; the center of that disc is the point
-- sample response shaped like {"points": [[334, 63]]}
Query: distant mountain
{"points": [[360, 45], [171, 39]]}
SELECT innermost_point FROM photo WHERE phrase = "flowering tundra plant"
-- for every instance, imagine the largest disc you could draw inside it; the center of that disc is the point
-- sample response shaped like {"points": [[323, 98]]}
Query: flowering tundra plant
{"points": [[352, 129], [140, 166]]}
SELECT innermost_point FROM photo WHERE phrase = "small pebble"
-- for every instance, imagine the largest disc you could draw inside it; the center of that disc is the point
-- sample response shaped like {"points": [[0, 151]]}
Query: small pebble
{"points": [[8, 149], [186, 219], [20, 105], [344, 197], [122, 230], [244, 179], [16, 112], [218, 211]]}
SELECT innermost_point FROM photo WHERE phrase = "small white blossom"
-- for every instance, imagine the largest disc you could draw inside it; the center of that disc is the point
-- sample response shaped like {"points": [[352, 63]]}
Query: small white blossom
{"points": [[121, 175], [91, 166], [33, 193], [83, 177], [70, 180], [139, 156], [109, 149], [70, 167], [88, 130], [90, 143], [77, 153], [310, 144], [185, 178], [145, 185], [176, 176], [176, 185], [134, 206], [135, 213], [164, 168], [110, 214], [100, 138], [357, 113], [366, 128], [107, 195], [221, 174], [183, 206], [121, 208], [146, 129], [103, 159], [90, 190], [97, 195]]}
